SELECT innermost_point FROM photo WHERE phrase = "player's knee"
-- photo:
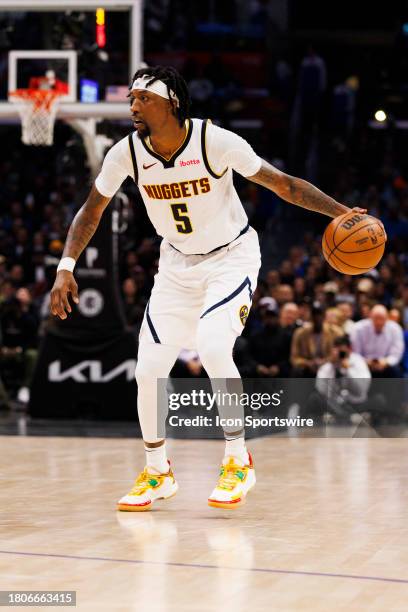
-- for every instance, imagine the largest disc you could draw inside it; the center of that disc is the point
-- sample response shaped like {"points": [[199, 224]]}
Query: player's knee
{"points": [[141, 370], [152, 363], [213, 354], [215, 342], [147, 368]]}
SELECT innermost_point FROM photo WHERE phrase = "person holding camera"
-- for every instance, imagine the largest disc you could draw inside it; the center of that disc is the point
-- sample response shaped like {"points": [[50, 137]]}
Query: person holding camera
{"points": [[342, 385]]}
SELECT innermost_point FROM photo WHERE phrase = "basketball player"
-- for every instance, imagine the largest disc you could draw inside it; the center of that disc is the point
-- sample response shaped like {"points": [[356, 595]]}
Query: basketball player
{"points": [[209, 258]]}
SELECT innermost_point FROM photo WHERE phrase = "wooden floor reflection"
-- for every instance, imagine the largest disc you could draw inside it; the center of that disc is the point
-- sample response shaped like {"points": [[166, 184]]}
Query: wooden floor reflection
{"points": [[324, 529]]}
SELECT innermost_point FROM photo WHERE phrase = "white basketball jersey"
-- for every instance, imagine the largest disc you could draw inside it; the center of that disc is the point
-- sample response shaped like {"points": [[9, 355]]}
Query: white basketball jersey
{"points": [[193, 207]]}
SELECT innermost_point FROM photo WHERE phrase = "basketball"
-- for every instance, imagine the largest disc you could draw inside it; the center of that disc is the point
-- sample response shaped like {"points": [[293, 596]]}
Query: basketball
{"points": [[353, 243]]}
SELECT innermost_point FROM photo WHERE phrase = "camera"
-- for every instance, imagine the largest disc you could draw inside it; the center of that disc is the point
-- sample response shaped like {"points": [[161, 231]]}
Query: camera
{"points": [[342, 354]]}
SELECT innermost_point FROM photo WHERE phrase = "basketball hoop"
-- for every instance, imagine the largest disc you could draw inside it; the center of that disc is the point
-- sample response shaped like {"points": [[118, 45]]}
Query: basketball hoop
{"points": [[37, 109]]}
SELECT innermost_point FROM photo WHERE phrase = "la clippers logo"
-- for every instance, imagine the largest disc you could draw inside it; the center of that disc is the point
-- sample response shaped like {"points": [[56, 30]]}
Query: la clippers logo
{"points": [[91, 303], [190, 162]]}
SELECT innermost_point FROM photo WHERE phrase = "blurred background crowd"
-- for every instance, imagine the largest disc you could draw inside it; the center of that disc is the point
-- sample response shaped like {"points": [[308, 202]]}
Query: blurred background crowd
{"points": [[307, 104]]}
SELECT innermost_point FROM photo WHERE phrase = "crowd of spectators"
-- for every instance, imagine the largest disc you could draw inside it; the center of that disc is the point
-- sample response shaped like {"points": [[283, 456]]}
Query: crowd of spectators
{"points": [[301, 307]]}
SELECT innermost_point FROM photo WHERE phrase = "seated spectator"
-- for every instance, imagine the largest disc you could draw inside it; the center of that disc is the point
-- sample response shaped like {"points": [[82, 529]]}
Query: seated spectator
{"points": [[312, 344], [395, 315], [299, 288], [381, 343], [346, 317], [333, 319], [256, 317], [272, 280], [7, 291], [289, 316], [289, 321], [365, 297], [270, 347], [286, 272], [346, 291], [342, 386], [330, 289], [19, 324], [305, 310], [364, 312], [283, 294]]}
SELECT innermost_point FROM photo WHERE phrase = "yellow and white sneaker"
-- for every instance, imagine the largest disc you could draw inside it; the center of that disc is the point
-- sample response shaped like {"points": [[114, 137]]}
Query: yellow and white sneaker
{"points": [[236, 479], [146, 489]]}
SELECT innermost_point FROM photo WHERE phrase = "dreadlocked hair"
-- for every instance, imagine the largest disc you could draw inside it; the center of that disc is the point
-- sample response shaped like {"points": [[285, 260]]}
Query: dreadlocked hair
{"points": [[174, 81]]}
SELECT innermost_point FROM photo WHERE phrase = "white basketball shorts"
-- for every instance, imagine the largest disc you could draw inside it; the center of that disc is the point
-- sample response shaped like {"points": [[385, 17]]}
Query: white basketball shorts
{"points": [[190, 287]]}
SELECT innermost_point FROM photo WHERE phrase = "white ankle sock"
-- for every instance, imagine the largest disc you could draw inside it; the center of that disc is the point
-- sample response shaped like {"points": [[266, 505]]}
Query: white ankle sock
{"points": [[156, 459], [236, 448]]}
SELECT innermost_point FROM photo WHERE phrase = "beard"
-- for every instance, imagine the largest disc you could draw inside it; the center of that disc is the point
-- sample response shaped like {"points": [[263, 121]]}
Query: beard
{"points": [[143, 131]]}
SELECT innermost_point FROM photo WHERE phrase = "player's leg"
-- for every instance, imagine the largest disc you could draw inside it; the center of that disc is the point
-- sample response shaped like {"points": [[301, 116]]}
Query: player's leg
{"points": [[216, 338], [169, 322], [154, 363], [156, 481], [232, 278]]}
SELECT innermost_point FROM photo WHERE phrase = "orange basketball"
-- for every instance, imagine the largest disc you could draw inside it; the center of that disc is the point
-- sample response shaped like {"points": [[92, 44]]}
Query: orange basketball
{"points": [[353, 243]]}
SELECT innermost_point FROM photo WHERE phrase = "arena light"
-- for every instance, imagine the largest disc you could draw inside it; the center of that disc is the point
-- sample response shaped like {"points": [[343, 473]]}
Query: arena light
{"points": [[100, 28], [380, 116]]}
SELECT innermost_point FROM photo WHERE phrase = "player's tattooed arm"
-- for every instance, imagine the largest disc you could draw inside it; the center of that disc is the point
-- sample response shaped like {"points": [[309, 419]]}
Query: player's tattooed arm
{"points": [[81, 231], [298, 191], [85, 223]]}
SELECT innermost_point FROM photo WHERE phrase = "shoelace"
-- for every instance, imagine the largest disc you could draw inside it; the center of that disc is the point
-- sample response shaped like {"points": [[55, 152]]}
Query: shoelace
{"points": [[230, 474], [143, 482]]}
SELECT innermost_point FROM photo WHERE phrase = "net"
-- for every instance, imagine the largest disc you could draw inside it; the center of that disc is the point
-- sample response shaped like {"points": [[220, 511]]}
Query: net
{"points": [[37, 109]]}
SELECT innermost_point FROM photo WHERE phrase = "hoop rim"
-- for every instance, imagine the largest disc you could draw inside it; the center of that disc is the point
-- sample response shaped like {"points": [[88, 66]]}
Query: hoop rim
{"points": [[33, 94]]}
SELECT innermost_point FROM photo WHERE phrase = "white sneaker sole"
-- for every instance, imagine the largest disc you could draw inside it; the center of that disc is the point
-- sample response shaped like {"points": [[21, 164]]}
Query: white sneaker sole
{"points": [[147, 505], [235, 503]]}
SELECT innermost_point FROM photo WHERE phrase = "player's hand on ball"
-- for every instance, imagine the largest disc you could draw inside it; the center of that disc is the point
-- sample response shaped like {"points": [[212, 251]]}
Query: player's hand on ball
{"points": [[363, 211], [64, 284], [357, 209]]}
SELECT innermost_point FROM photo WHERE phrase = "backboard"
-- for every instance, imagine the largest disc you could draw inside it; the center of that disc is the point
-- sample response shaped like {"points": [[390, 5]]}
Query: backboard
{"points": [[65, 37], [62, 63]]}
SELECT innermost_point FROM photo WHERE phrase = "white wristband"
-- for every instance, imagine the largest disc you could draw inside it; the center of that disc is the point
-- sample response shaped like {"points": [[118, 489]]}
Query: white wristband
{"points": [[66, 263]]}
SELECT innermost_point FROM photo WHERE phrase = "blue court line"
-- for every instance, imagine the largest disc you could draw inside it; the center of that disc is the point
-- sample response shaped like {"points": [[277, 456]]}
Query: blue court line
{"points": [[265, 570]]}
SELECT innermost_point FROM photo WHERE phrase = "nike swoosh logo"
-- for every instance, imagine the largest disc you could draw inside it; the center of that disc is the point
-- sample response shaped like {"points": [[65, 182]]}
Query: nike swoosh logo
{"points": [[147, 167]]}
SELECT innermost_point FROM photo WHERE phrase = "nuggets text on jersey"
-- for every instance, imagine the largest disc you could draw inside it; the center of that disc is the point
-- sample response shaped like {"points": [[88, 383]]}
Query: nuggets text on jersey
{"points": [[184, 189]]}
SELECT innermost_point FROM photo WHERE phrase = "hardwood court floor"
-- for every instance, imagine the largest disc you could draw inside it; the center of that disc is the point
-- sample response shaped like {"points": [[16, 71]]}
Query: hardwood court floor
{"points": [[325, 528]]}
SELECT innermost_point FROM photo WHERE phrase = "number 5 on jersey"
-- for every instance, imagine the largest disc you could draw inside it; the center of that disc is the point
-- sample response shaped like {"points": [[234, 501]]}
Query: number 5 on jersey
{"points": [[180, 214]]}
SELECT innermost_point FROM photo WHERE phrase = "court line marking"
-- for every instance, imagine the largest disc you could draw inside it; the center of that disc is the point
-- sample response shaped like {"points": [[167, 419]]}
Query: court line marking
{"points": [[207, 566]]}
